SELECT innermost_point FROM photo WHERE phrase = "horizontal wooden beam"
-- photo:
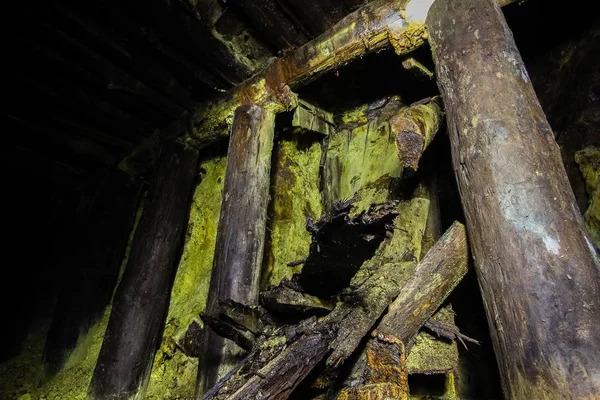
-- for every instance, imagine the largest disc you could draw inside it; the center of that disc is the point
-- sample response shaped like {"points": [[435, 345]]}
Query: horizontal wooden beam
{"points": [[371, 28]]}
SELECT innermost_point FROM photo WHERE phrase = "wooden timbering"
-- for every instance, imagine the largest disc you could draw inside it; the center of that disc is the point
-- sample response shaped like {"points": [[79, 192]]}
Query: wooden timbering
{"points": [[538, 271], [241, 233], [142, 298]]}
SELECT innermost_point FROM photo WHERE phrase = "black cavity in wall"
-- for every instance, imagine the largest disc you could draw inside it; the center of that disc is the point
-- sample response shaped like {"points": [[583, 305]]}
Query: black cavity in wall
{"points": [[86, 290]]}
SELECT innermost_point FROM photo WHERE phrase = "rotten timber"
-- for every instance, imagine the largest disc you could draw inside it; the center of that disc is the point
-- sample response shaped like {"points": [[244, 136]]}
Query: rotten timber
{"points": [[373, 27], [414, 128], [537, 269], [429, 286], [241, 233], [358, 314], [340, 244], [276, 367], [142, 298]]}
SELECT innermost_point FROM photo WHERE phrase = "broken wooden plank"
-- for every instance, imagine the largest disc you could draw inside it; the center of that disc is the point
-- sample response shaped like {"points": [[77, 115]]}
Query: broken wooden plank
{"points": [[241, 233], [537, 269], [341, 244], [379, 281], [429, 285], [142, 298], [435, 277], [319, 336], [288, 300]]}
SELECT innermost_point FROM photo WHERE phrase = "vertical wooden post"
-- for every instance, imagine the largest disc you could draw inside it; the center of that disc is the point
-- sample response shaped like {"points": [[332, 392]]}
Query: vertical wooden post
{"points": [[537, 270], [241, 232], [142, 298]]}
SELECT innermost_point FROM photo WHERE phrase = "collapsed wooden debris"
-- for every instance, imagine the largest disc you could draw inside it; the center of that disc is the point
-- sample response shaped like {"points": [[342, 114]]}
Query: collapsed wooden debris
{"points": [[282, 356]]}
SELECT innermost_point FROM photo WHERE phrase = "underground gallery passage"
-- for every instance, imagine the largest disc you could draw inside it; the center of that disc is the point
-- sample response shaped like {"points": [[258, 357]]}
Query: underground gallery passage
{"points": [[303, 199]]}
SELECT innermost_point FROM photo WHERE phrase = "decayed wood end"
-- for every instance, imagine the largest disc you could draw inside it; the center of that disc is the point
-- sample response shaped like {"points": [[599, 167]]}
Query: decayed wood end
{"points": [[424, 291], [435, 277], [241, 232], [278, 364], [277, 372], [414, 128], [538, 272], [387, 376], [283, 374]]}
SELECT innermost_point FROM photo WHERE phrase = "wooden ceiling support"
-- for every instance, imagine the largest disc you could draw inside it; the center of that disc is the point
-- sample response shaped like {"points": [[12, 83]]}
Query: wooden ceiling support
{"points": [[241, 234], [537, 268], [369, 29]]}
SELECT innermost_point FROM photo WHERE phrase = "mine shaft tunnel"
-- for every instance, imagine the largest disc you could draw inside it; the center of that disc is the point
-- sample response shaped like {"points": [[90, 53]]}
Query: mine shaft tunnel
{"points": [[307, 200]]}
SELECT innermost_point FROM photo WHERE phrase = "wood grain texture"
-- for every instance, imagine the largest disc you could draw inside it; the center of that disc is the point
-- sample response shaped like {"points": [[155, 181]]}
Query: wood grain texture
{"points": [[142, 298], [241, 233], [433, 280], [275, 367], [538, 272]]}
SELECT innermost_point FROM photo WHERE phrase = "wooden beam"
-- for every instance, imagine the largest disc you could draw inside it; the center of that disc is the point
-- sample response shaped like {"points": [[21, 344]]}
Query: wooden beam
{"points": [[372, 28], [369, 29], [142, 298], [241, 233], [310, 118], [538, 271], [435, 277]]}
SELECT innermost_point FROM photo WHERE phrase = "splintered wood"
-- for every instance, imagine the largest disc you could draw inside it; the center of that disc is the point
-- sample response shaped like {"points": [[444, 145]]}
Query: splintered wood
{"points": [[283, 356]]}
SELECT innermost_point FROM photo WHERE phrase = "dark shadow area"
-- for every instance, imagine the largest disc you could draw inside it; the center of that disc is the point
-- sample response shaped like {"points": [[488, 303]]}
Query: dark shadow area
{"points": [[427, 385]]}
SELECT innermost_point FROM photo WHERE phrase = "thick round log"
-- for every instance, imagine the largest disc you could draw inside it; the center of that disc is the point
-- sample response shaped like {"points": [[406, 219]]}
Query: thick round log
{"points": [[241, 233], [142, 298], [538, 272]]}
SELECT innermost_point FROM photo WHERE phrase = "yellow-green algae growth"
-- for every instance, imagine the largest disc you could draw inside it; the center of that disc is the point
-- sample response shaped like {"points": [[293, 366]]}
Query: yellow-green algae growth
{"points": [[589, 164], [25, 371], [295, 195], [430, 354], [361, 157], [173, 374]]}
